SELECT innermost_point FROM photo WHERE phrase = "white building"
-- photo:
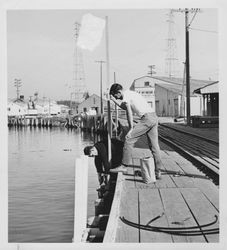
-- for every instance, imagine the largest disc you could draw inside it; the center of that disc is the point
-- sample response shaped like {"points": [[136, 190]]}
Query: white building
{"points": [[47, 107], [92, 105], [167, 95], [210, 99], [17, 108], [64, 109]]}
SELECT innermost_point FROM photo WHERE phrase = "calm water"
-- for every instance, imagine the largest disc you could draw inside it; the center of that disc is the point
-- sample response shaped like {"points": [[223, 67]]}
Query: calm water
{"points": [[41, 183]]}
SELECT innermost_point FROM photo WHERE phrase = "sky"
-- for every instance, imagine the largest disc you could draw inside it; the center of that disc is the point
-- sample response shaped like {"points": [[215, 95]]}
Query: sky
{"points": [[41, 44]]}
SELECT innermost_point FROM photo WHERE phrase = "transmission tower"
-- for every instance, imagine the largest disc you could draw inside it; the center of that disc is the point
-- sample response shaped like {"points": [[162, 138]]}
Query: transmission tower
{"points": [[171, 57], [79, 87], [17, 84]]}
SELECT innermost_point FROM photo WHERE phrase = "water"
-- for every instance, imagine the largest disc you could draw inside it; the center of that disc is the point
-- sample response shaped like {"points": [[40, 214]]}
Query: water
{"points": [[41, 165]]}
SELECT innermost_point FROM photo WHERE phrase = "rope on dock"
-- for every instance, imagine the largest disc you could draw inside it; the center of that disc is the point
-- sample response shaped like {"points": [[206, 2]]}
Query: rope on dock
{"points": [[181, 231]]}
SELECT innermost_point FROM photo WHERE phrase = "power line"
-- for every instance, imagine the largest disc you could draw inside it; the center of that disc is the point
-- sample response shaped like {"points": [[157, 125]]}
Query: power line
{"points": [[193, 18], [211, 31]]}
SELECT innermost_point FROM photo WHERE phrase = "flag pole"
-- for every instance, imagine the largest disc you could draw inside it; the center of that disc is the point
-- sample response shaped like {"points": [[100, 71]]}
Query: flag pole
{"points": [[109, 125]]}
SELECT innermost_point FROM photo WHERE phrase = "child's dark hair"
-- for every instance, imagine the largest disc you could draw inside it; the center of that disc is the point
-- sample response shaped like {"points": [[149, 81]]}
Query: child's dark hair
{"points": [[87, 150], [115, 88]]}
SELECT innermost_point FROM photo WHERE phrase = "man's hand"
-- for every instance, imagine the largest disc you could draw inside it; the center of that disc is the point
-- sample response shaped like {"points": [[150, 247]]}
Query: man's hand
{"points": [[128, 135], [112, 98]]}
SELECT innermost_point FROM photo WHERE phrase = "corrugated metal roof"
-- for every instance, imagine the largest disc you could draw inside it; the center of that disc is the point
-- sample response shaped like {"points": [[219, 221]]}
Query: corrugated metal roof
{"points": [[209, 88], [175, 84]]}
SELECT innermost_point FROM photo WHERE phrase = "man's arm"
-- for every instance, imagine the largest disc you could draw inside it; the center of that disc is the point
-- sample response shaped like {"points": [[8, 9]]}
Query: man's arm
{"points": [[129, 116], [103, 154], [119, 103], [98, 164]]}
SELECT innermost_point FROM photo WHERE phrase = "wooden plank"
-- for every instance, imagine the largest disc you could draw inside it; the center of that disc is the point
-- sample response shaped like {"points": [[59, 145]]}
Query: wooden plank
{"points": [[128, 209], [112, 225], [81, 191], [205, 185], [130, 177], [178, 214], [209, 189], [151, 207], [202, 210], [179, 181], [168, 165]]}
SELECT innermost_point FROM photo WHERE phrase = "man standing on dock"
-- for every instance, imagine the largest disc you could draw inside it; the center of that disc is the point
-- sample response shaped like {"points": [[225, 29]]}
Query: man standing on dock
{"points": [[133, 102]]}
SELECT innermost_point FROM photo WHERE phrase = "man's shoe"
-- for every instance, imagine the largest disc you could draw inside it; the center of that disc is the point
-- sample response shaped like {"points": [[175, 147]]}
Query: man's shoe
{"points": [[158, 175], [121, 168]]}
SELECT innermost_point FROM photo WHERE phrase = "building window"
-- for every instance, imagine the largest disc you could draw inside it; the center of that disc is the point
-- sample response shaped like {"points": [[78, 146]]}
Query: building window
{"points": [[94, 100], [85, 109], [168, 101], [146, 84], [151, 104], [8, 109]]}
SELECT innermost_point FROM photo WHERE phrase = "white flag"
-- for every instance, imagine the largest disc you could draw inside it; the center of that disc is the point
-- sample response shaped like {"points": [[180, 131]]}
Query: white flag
{"points": [[90, 33]]}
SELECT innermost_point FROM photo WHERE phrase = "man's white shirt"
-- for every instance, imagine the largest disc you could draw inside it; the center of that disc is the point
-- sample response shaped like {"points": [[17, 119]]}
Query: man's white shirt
{"points": [[138, 103]]}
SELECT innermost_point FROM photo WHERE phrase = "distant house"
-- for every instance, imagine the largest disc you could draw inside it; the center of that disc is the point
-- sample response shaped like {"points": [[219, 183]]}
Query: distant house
{"points": [[167, 95], [64, 109], [210, 99], [91, 104], [17, 107], [47, 107]]}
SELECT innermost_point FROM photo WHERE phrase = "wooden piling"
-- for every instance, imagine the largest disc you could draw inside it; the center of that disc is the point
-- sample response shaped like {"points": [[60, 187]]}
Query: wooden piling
{"points": [[81, 193]]}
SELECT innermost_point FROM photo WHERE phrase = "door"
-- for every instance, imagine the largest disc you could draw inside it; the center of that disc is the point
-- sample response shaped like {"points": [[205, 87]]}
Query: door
{"points": [[175, 101]]}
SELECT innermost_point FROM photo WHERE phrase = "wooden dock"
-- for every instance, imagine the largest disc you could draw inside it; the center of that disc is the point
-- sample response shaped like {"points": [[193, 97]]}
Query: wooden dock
{"points": [[175, 201]]}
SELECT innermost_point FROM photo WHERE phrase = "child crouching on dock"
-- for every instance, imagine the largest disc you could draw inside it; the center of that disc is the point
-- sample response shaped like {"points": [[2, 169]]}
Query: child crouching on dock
{"points": [[99, 151]]}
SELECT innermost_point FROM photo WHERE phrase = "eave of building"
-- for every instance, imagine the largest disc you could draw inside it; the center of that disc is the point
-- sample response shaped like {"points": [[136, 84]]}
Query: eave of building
{"points": [[176, 81], [209, 88]]}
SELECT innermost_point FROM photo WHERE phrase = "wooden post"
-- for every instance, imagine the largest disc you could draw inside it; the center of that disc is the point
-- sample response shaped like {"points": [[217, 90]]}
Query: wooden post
{"points": [[116, 118], [109, 122], [81, 194]]}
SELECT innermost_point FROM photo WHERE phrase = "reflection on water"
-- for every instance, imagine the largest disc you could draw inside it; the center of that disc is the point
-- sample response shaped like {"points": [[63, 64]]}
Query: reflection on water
{"points": [[41, 183]]}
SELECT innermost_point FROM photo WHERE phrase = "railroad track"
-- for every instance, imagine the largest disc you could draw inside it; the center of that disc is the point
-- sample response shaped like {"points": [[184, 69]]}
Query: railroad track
{"points": [[200, 150]]}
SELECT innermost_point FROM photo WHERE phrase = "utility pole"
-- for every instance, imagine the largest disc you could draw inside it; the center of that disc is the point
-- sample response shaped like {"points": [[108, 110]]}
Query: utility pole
{"points": [[151, 72], [187, 61], [101, 62], [182, 106], [17, 84], [187, 66], [115, 81]]}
